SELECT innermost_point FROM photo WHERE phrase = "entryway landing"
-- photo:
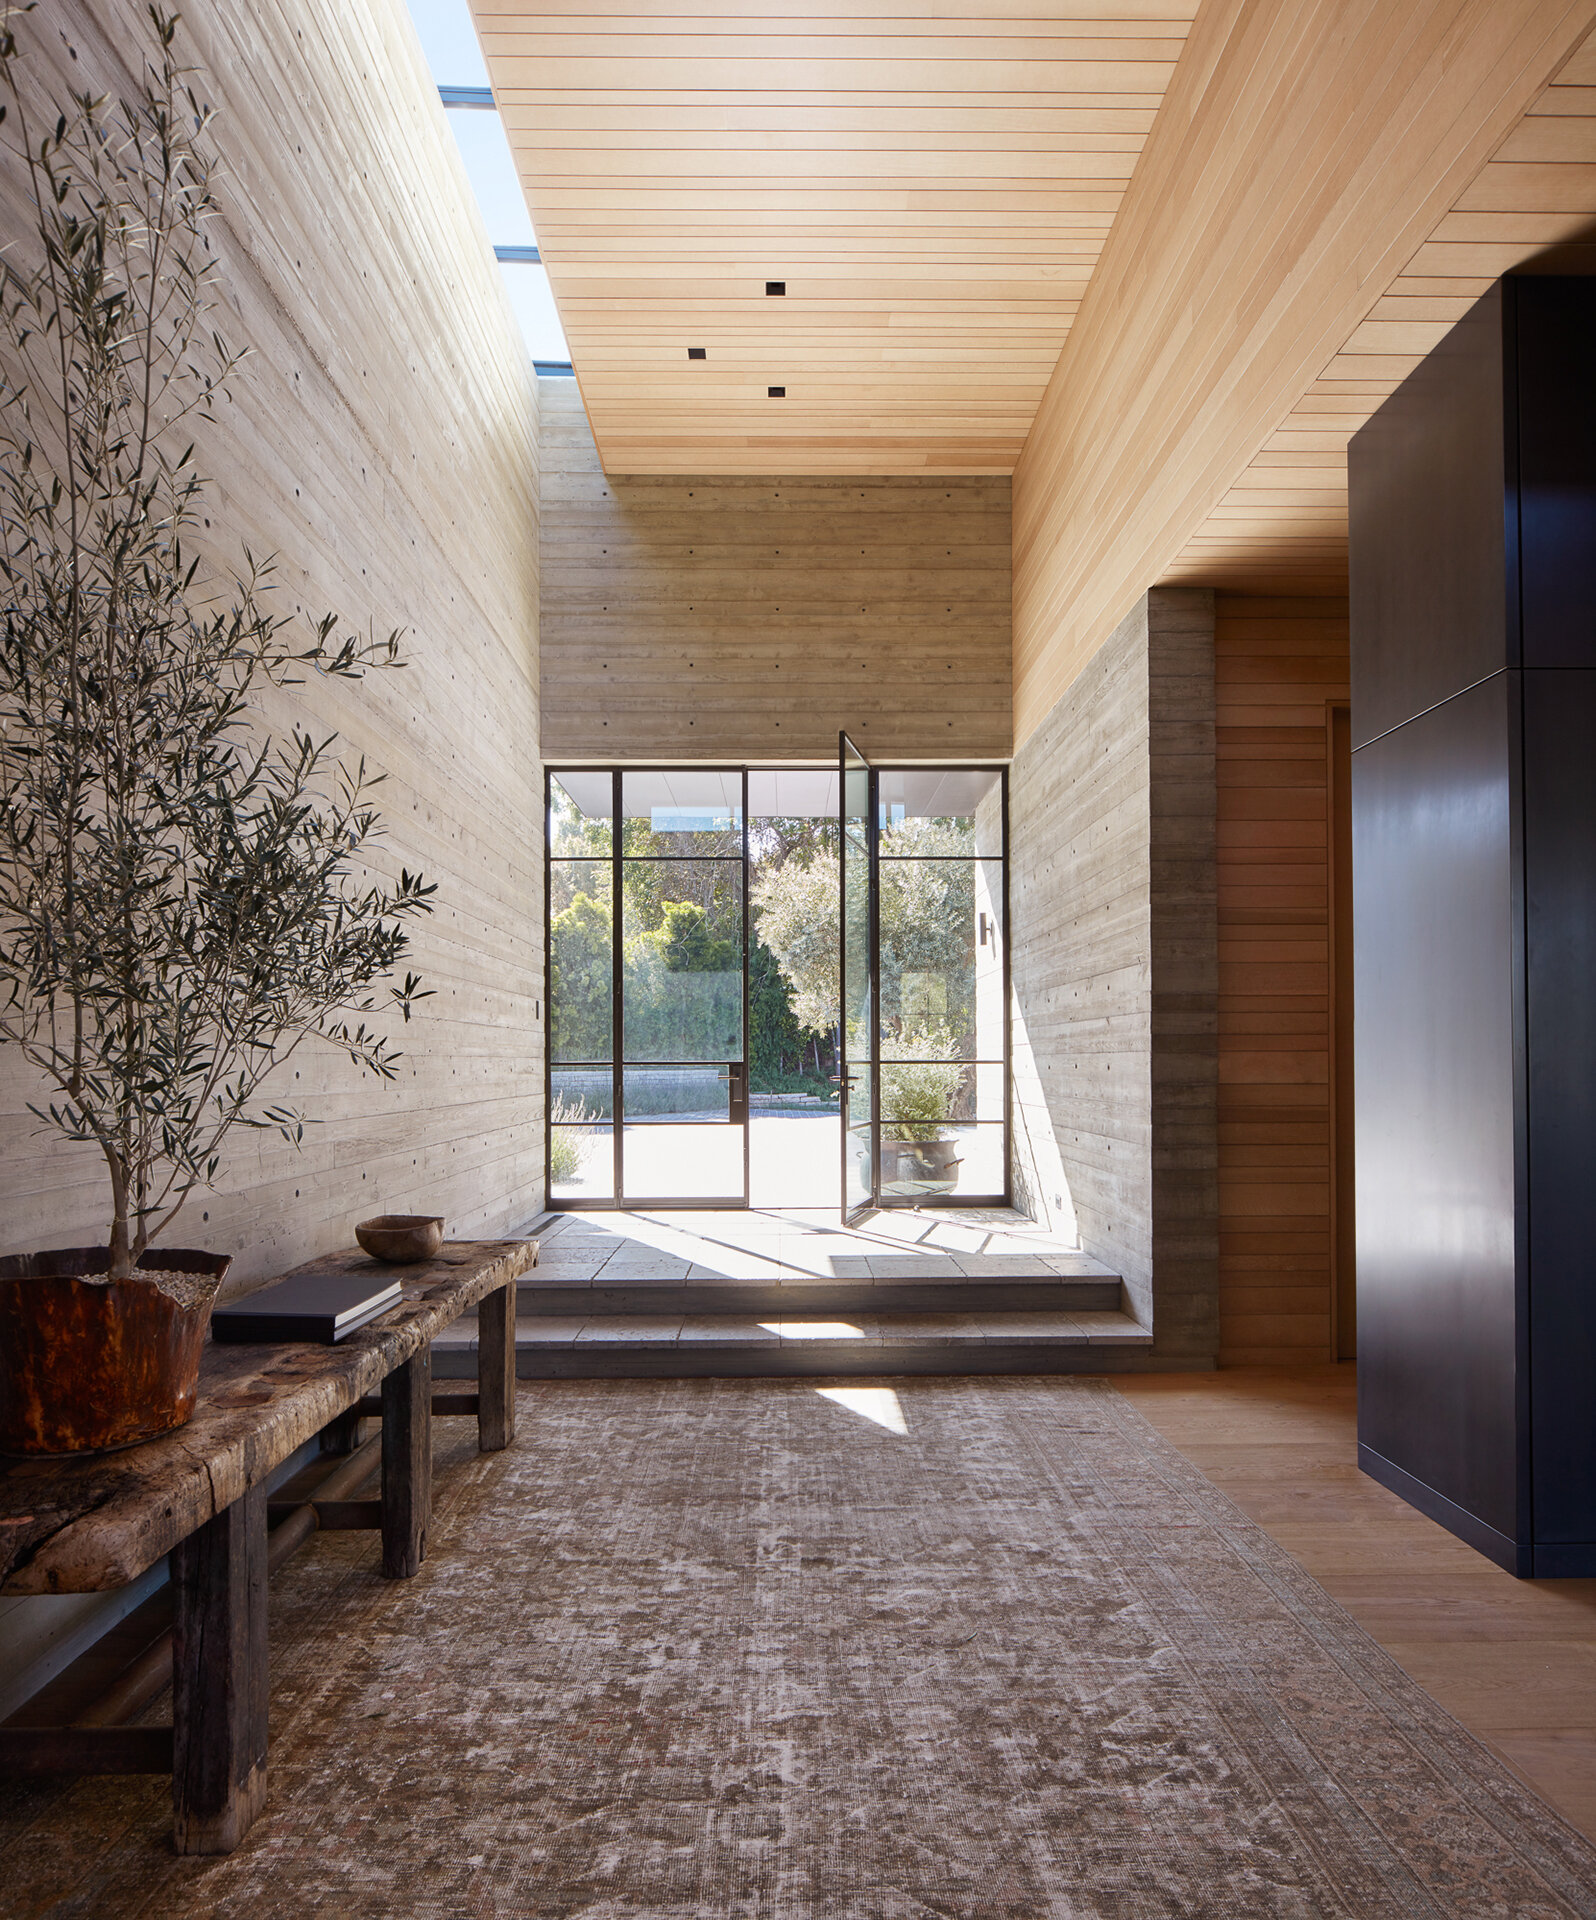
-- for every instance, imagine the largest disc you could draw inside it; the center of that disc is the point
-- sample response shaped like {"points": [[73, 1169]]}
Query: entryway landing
{"points": [[977, 1290], [770, 1244]]}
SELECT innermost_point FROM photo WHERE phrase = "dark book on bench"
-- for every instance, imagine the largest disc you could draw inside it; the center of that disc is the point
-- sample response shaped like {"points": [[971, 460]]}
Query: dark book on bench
{"points": [[307, 1306]]}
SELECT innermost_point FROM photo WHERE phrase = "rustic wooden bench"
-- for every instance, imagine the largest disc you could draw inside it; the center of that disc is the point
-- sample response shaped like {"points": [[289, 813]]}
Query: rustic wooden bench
{"points": [[83, 1524]]}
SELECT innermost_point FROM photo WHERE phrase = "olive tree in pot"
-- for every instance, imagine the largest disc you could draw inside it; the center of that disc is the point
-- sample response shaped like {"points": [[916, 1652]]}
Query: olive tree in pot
{"points": [[180, 898], [920, 1088]]}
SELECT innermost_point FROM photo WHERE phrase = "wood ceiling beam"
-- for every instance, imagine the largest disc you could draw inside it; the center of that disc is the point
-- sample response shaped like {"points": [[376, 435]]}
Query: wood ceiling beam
{"points": [[1305, 150]]}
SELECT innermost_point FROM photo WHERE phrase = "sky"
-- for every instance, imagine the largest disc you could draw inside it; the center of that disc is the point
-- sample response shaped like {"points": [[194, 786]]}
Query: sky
{"points": [[449, 41]]}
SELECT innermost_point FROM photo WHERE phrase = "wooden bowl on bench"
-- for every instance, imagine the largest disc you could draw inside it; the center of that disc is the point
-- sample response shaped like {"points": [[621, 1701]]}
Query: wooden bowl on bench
{"points": [[401, 1238]]}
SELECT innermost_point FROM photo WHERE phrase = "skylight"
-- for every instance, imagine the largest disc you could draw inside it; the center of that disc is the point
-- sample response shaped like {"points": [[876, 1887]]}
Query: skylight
{"points": [[485, 148], [449, 40]]}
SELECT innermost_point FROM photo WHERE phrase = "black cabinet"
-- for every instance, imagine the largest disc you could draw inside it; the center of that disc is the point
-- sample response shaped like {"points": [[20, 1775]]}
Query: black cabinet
{"points": [[1473, 557]]}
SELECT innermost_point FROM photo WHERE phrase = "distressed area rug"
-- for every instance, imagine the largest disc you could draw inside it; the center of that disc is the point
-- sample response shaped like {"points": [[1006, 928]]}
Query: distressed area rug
{"points": [[738, 1648]]}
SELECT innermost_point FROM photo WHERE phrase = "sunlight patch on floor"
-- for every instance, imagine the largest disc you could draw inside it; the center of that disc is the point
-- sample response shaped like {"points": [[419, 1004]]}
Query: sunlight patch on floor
{"points": [[879, 1404], [813, 1329]]}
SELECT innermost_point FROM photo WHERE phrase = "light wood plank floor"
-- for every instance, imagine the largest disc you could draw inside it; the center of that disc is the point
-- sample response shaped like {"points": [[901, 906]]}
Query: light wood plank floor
{"points": [[1514, 1660]]}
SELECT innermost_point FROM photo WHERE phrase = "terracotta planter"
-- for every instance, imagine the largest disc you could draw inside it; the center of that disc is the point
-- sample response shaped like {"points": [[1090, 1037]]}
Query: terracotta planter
{"points": [[925, 1165], [88, 1365]]}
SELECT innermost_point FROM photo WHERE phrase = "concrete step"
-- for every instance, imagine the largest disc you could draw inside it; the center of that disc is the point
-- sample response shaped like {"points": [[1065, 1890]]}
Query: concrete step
{"points": [[613, 1345], [543, 1295]]}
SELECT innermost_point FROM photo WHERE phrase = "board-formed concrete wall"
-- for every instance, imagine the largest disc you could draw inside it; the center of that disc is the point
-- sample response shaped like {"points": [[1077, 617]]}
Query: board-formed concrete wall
{"points": [[751, 619], [382, 442], [1114, 958]]}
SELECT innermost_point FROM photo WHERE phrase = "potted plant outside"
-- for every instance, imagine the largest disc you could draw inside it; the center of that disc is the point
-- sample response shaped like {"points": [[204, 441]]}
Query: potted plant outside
{"points": [[179, 901], [920, 1088]]}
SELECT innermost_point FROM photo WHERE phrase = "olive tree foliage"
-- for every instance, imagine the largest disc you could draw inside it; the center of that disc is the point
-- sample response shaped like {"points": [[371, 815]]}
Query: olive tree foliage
{"points": [[681, 941], [796, 904], [927, 914], [927, 920], [179, 900]]}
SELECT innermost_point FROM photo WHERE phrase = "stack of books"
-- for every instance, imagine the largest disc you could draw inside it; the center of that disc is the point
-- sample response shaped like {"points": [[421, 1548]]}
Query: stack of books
{"points": [[324, 1307]]}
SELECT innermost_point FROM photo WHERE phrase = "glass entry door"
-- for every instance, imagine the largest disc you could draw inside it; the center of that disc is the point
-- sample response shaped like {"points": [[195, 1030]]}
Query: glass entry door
{"points": [[860, 1064], [925, 1002], [648, 919], [826, 947]]}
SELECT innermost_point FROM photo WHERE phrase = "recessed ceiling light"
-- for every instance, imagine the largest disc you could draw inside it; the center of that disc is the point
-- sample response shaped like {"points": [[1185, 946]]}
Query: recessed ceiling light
{"points": [[777, 393], [697, 353], [775, 286]]}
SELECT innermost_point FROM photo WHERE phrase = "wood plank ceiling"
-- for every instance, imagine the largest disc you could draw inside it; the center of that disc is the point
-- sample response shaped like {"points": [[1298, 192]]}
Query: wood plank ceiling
{"points": [[933, 189], [1283, 525]]}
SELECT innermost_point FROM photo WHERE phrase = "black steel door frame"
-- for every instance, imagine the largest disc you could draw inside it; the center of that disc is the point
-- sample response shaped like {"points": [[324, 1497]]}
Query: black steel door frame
{"points": [[875, 1199], [872, 1064], [618, 1203]]}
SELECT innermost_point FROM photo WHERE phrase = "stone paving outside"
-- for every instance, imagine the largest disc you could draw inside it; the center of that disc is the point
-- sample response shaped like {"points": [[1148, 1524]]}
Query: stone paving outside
{"points": [[793, 1161]]}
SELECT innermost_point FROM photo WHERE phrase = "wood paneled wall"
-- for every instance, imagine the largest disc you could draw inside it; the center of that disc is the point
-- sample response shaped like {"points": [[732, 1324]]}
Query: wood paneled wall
{"points": [[1279, 664], [750, 619], [382, 441]]}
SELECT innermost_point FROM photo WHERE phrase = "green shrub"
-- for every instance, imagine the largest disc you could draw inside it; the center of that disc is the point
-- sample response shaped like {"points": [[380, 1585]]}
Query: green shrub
{"points": [[565, 1152]]}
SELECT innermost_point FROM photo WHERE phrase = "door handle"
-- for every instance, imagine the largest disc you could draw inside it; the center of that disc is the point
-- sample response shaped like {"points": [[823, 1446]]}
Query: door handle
{"points": [[736, 1091]]}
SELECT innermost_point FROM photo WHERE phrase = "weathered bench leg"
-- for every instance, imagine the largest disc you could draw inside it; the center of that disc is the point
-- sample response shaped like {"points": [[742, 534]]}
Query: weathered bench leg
{"points": [[220, 1678], [496, 1370], [406, 1465], [341, 1435]]}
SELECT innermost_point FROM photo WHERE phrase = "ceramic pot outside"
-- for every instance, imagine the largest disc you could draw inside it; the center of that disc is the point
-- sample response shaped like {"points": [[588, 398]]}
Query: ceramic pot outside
{"points": [[926, 1165]]}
